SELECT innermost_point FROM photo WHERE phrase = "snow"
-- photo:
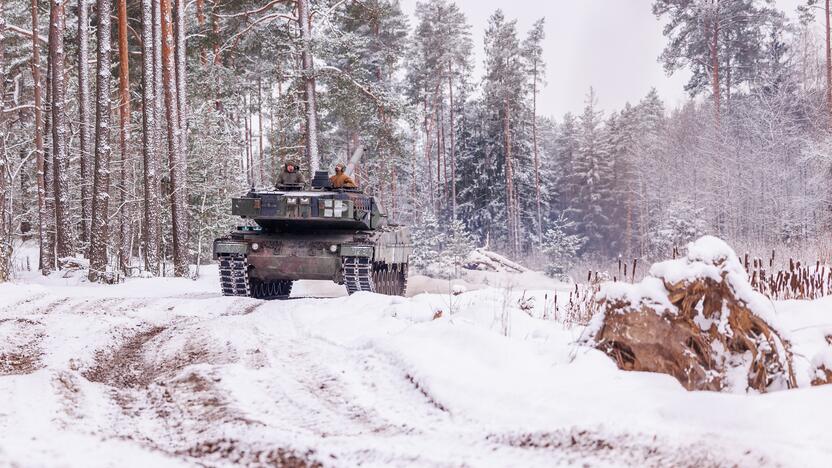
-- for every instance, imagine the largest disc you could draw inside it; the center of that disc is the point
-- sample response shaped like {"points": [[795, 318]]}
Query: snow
{"points": [[166, 372], [650, 292]]}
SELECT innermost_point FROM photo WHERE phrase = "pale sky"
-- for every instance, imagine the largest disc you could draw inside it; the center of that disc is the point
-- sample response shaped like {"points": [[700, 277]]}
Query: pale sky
{"points": [[612, 45]]}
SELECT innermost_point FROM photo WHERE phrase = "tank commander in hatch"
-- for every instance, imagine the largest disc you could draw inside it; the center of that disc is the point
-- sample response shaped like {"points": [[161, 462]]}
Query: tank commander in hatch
{"points": [[341, 179], [290, 175]]}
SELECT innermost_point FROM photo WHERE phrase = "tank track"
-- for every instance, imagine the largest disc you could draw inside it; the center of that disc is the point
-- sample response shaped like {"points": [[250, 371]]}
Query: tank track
{"points": [[234, 275], [358, 274], [362, 274], [234, 280]]}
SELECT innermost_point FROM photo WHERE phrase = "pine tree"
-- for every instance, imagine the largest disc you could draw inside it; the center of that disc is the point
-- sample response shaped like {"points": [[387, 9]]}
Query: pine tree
{"points": [[536, 68], [305, 25], [504, 89], [5, 235], [176, 157], [124, 208], [718, 40], [60, 162], [150, 157], [101, 165], [560, 246], [45, 254], [594, 173], [436, 81], [85, 126]]}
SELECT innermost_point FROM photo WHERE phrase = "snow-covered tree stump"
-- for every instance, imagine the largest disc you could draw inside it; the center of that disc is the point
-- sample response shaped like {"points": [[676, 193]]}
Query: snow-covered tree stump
{"points": [[698, 319]]}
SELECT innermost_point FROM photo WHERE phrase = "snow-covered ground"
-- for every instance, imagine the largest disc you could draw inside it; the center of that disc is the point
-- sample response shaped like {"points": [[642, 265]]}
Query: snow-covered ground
{"points": [[166, 372]]}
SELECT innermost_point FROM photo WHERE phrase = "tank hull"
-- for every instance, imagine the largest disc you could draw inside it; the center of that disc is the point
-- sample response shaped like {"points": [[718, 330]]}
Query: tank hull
{"points": [[315, 255]]}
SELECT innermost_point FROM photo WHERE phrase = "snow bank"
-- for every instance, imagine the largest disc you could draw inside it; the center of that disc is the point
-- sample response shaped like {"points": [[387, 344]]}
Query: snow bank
{"points": [[165, 372]]}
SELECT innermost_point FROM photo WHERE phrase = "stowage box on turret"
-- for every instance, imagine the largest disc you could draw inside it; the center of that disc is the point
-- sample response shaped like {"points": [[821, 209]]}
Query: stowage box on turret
{"points": [[318, 234]]}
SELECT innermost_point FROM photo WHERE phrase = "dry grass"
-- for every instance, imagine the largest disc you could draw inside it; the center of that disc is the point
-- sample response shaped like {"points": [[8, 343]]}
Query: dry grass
{"points": [[778, 278]]}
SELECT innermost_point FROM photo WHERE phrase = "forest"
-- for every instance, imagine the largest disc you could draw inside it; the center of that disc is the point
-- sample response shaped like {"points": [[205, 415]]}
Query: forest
{"points": [[126, 126]]}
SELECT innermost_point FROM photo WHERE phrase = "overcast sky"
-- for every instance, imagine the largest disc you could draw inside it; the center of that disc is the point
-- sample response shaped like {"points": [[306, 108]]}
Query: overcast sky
{"points": [[611, 45]]}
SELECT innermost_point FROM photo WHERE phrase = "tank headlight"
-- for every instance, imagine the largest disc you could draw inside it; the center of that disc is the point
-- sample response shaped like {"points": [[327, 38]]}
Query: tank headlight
{"points": [[333, 248], [255, 246]]}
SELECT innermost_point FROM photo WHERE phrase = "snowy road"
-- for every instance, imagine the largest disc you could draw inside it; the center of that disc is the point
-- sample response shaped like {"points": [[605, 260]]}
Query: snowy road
{"points": [[165, 372]]}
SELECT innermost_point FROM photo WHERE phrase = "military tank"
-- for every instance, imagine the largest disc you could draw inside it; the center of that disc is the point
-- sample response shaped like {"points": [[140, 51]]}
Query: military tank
{"points": [[315, 233]]}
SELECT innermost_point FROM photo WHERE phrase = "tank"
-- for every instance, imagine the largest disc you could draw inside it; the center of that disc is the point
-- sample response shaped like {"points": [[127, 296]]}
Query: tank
{"points": [[312, 233]]}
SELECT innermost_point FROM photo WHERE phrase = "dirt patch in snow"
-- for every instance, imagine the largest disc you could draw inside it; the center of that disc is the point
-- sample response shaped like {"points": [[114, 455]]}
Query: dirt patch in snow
{"points": [[580, 445], [20, 350], [235, 452], [125, 367]]}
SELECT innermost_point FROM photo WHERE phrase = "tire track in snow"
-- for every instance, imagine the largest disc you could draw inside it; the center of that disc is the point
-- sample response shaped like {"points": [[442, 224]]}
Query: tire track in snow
{"points": [[20, 346]]}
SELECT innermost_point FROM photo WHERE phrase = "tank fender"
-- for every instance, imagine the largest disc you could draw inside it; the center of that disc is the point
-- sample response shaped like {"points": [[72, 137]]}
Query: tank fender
{"points": [[356, 250], [227, 246]]}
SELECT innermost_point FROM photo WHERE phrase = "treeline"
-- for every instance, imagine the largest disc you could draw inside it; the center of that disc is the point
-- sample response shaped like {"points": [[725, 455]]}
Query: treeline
{"points": [[194, 102]]}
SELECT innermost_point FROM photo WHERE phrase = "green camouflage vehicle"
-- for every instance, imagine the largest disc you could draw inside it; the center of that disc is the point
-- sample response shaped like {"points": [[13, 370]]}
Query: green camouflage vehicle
{"points": [[318, 233]]}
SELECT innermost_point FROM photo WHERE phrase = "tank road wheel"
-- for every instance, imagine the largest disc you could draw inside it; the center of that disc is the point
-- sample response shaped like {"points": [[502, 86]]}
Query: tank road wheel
{"points": [[279, 289], [390, 279], [234, 275], [358, 274]]}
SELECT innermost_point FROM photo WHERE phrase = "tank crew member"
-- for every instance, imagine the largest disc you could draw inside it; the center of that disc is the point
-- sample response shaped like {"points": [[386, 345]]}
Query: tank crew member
{"points": [[340, 179], [291, 174]]}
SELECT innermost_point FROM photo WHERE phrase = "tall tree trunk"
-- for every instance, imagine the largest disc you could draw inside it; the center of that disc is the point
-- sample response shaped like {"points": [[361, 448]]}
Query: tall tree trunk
{"points": [[428, 159], [5, 237], [150, 115], [176, 166], [304, 21], [215, 29], [828, 63], [281, 132], [714, 49], [247, 139], [63, 226], [200, 21], [260, 155], [42, 215], [453, 145], [48, 174], [161, 137], [101, 164], [182, 86], [510, 218], [536, 157], [181, 59], [123, 136], [437, 117], [85, 127]]}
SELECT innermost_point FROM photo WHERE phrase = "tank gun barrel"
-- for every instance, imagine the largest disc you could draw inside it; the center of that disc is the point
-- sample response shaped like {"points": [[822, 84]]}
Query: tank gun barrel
{"points": [[356, 157]]}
